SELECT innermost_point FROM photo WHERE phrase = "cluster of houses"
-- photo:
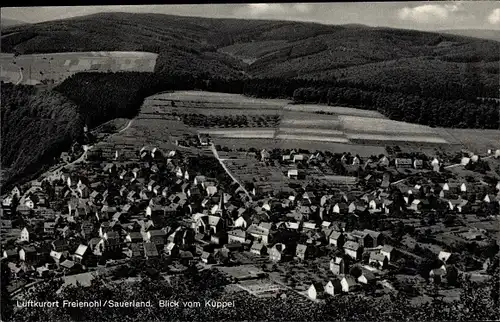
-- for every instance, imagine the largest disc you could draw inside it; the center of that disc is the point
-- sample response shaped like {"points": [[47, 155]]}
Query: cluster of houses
{"points": [[159, 207]]}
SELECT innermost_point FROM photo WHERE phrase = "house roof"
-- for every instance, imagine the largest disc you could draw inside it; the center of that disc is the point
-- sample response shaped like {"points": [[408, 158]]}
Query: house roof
{"points": [[318, 287], [150, 249], [157, 233], [349, 280], [81, 250], [351, 245], [377, 257], [257, 246], [387, 249], [237, 233], [336, 260], [68, 264], [335, 235]]}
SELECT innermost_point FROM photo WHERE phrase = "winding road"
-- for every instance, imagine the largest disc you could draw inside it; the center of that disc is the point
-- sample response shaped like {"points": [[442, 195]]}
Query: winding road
{"points": [[216, 154]]}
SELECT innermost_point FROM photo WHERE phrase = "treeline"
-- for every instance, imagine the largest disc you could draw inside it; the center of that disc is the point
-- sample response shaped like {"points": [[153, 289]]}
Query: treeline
{"points": [[409, 108], [427, 108], [477, 302], [101, 97], [36, 126]]}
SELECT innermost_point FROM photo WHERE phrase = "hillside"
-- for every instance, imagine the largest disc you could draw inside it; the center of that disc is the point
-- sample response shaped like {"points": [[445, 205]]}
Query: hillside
{"points": [[36, 126], [476, 33], [6, 22], [412, 76], [259, 48]]}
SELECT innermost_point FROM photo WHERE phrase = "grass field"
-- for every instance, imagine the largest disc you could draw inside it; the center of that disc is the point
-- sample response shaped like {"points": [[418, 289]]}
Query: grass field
{"points": [[345, 130], [339, 110], [33, 69], [241, 133], [371, 125]]}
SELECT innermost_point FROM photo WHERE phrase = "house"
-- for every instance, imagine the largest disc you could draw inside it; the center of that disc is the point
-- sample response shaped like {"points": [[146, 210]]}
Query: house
{"points": [[348, 284], [377, 238], [150, 250], [27, 253], [357, 205], [10, 254], [56, 256], [366, 277], [333, 287], [444, 256], [303, 252], [353, 250], [316, 291], [418, 164], [293, 174], [384, 161], [264, 155], [171, 249], [337, 239], [403, 163], [437, 275], [338, 266], [134, 237], [378, 260], [490, 198], [340, 208], [388, 251], [208, 258], [211, 190], [186, 257], [276, 253], [81, 254], [49, 227], [156, 236], [236, 236], [25, 234], [258, 249]]}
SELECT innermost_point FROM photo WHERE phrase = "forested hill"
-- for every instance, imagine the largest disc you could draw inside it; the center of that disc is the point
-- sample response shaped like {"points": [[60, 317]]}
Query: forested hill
{"points": [[36, 127], [233, 47]]}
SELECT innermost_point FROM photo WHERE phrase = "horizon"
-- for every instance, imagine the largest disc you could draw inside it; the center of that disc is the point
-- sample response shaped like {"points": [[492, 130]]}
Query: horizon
{"points": [[424, 16]]}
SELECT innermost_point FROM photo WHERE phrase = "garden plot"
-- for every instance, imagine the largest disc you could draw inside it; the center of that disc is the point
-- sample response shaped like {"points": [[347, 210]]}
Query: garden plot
{"points": [[395, 138], [332, 123], [336, 110], [317, 132], [320, 138], [239, 133], [222, 100], [357, 124]]}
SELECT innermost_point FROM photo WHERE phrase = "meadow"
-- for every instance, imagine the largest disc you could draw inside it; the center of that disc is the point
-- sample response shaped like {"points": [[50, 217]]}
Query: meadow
{"points": [[55, 67], [298, 127]]}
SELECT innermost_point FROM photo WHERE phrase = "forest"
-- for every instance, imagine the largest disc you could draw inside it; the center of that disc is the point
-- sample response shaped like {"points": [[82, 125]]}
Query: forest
{"points": [[36, 127], [478, 302]]}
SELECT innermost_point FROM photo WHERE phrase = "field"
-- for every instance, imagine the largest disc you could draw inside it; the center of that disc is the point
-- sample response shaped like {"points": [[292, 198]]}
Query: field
{"points": [[37, 68], [337, 110], [236, 122], [243, 134]]}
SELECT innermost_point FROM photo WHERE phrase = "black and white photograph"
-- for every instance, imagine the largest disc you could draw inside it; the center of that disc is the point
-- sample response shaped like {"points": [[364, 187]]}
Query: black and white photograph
{"points": [[330, 161]]}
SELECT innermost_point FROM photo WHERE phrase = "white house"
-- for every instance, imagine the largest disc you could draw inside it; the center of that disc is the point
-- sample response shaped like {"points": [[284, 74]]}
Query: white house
{"points": [[293, 173], [25, 235], [316, 291], [333, 287], [348, 283]]}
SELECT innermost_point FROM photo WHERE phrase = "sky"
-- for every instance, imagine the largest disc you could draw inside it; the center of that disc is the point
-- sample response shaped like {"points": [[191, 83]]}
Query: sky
{"points": [[431, 15]]}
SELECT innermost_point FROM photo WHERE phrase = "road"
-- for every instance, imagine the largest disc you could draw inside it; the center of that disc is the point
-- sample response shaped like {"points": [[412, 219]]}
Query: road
{"points": [[126, 127], [214, 150], [21, 76]]}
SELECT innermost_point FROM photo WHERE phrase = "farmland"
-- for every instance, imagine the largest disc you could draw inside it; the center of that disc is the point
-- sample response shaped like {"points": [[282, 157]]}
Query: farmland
{"points": [[55, 67], [238, 122]]}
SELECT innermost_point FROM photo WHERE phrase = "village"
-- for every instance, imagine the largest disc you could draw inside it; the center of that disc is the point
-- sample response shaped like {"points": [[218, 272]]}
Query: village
{"points": [[389, 223]]}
